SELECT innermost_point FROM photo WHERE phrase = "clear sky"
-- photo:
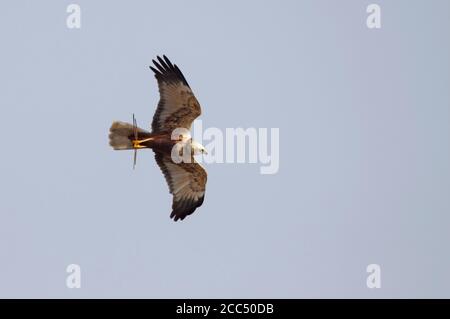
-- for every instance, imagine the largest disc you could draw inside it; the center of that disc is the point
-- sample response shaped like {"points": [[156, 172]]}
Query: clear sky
{"points": [[364, 177]]}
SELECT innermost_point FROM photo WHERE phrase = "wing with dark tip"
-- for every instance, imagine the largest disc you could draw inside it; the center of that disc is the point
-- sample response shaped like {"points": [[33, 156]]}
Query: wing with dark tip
{"points": [[177, 107], [187, 183]]}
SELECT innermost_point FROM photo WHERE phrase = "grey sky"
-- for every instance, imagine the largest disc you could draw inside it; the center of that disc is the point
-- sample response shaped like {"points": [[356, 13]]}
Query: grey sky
{"points": [[364, 149]]}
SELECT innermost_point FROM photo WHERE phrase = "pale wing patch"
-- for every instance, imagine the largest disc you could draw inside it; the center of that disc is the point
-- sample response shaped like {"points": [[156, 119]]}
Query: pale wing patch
{"points": [[187, 182], [177, 108]]}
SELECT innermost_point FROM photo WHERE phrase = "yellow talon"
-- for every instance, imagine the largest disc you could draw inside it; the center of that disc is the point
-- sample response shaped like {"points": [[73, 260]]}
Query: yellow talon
{"points": [[137, 143]]}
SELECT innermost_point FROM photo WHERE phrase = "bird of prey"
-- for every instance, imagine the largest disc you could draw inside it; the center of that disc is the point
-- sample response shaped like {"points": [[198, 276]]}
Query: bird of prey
{"points": [[177, 109]]}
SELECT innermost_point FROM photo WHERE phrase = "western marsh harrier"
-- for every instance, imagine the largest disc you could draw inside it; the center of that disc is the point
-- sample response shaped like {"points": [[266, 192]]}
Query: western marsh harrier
{"points": [[177, 109]]}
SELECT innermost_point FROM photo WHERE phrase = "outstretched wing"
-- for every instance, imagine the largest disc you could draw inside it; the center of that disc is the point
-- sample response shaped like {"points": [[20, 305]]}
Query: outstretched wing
{"points": [[187, 182], [177, 107]]}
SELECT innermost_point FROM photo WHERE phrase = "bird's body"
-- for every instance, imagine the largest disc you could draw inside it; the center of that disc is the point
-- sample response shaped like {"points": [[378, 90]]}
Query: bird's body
{"points": [[124, 135], [173, 118]]}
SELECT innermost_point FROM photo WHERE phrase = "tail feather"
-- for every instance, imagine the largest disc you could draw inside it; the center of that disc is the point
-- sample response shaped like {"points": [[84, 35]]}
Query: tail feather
{"points": [[121, 135]]}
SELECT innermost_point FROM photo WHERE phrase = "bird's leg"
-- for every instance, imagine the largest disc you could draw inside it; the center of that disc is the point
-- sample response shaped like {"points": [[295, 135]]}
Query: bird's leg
{"points": [[137, 143]]}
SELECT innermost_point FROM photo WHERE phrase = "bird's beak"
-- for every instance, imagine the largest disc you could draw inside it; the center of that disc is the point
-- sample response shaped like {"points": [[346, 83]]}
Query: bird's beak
{"points": [[205, 152]]}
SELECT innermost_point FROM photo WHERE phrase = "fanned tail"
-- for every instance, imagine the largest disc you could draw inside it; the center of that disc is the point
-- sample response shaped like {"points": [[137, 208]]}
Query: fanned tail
{"points": [[122, 134]]}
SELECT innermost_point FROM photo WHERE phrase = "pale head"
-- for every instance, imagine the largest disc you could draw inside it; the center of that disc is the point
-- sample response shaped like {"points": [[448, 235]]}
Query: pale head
{"points": [[197, 148]]}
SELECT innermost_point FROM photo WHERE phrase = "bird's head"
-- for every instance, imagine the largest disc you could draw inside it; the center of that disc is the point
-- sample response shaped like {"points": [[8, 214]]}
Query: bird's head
{"points": [[197, 148]]}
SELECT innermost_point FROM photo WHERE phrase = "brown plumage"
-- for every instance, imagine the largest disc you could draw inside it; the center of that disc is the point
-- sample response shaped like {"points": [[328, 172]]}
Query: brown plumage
{"points": [[177, 108]]}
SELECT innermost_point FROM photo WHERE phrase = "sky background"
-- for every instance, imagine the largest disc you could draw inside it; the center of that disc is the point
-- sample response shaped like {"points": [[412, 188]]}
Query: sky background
{"points": [[364, 150]]}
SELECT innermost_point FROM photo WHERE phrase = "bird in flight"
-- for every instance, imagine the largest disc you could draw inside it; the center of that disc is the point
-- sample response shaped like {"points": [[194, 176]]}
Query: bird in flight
{"points": [[170, 139]]}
